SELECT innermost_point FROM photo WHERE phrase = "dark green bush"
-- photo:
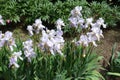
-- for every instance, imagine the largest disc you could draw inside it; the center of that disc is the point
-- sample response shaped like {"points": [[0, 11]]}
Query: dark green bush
{"points": [[111, 15], [50, 10]]}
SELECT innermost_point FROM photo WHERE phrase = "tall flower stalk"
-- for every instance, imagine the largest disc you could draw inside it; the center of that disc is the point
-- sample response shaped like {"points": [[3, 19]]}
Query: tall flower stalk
{"points": [[51, 40], [91, 30], [7, 39], [28, 50]]}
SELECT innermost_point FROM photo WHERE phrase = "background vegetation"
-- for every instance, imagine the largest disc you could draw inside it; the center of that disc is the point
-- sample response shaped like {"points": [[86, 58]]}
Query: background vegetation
{"points": [[50, 10]]}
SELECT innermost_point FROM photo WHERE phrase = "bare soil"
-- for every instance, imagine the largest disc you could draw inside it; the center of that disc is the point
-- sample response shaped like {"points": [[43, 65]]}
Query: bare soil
{"points": [[104, 48], [111, 37]]}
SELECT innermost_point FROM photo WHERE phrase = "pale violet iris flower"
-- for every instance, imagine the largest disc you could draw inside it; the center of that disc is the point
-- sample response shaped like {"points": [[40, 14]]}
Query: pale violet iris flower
{"points": [[83, 40], [98, 32], [76, 11], [7, 39], [88, 22], [10, 41], [92, 38], [38, 26], [59, 23], [73, 22], [86, 39], [8, 35], [52, 41], [28, 50], [76, 19], [100, 21], [2, 42], [96, 28], [14, 59], [30, 29]]}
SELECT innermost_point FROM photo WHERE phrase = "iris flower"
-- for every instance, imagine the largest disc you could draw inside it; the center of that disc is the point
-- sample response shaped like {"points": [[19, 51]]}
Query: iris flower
{"points": [[14, 58]]}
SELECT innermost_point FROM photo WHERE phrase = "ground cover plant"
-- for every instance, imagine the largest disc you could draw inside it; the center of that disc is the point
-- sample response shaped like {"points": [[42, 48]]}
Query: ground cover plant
{"points": [[114, 64]]}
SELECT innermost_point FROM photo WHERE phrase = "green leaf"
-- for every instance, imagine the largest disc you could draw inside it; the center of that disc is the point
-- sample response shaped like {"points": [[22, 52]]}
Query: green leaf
{"points": [[113, 74], [113, 54], [0, 68]]}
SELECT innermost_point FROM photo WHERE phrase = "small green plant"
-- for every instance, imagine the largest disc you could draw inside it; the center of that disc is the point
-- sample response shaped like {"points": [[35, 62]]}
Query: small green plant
{"points": [[114, 63]]}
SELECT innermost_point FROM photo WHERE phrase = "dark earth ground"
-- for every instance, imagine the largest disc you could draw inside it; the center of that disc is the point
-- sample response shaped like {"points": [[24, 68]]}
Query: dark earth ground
{"points": [[111, 36]]}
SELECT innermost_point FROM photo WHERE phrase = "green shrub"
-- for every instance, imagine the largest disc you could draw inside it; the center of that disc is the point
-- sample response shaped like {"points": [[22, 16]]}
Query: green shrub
{"points": [[9, 10], [110, 14], [49, 11]]}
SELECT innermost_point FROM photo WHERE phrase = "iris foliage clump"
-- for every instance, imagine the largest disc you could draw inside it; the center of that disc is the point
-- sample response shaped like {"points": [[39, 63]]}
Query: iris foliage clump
{"points": [[52, 57], [114, 63]]}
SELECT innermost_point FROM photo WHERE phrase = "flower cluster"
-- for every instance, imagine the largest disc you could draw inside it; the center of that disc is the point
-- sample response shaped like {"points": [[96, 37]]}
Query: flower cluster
{"points": [[28, 52], [52, 40], [94, 34], [59, 23], [14, 59], [1, 21], [76, 19], [7, 39], [28, 49], [36, 27], [93, 30]]}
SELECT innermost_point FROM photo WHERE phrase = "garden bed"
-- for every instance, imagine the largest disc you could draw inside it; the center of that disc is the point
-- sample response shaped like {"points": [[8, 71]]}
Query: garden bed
{"points": [[59, 40]]}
